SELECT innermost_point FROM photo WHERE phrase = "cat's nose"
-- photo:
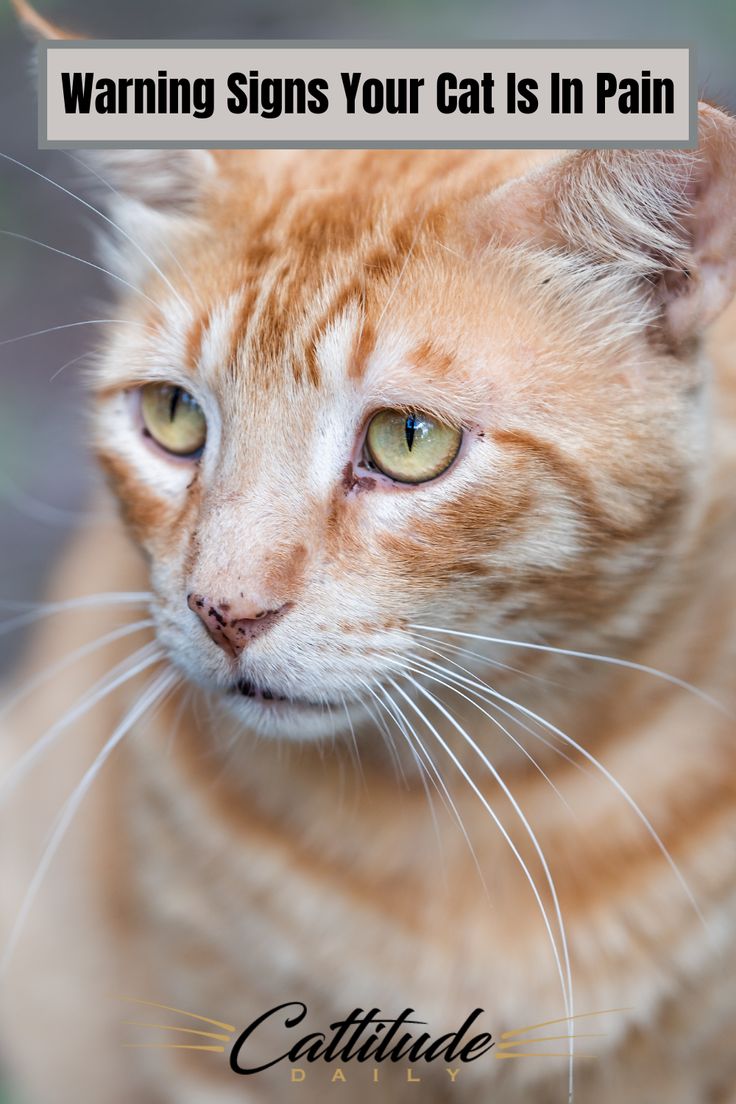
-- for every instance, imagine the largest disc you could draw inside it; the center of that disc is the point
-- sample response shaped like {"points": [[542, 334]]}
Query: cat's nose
{"points": [[232, 625]]}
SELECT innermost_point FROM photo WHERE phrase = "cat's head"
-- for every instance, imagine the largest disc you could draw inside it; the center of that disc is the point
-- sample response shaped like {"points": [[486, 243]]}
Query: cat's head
{"points": [[360, 392]]}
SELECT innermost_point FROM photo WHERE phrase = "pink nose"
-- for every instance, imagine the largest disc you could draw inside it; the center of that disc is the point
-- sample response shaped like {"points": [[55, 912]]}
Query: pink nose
{"points": [[233, 625]]}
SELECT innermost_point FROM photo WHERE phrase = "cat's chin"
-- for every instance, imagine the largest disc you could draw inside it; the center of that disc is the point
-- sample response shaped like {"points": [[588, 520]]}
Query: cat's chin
{"points": [[293, 718]]}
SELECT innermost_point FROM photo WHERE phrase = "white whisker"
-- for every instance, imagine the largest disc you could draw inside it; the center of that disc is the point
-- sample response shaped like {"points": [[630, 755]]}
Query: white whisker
{"points": [[499, 709], [496, 664], [68, 364], [85, 601], [111, 187], [651, 831], [425, 776], [44, 512], [565, 976], [422, 667], [441, 787], [154, 693], [673, 680], [353, 741], [71, 326], [387, 734], [400, 276], [144, 658], [105, 218], [82, 260], [66, 661]]}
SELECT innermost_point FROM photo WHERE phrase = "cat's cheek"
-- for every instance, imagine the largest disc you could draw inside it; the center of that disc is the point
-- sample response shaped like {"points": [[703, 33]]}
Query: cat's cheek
{"points": [[152, 489]]}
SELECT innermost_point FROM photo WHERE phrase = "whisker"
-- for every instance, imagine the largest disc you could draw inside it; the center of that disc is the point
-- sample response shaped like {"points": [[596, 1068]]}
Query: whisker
{"points": [[394, 714], [564, 977], [174, 1046], [551, 1039], [510, 797], [111, 187], [85, 601], [499, 709], [82, 260], [402, 271], [630, 664], [422, 669], [644, 820], [66, 661], [181, 709], [386, 732], [155, 692], [353, 741], [442, 789], [375, 717], [546, 1054], [70, 326], [37, 510], [496, 664], [105, 218], [68, 364], [405, 729], [144, 658], [426, 777]]}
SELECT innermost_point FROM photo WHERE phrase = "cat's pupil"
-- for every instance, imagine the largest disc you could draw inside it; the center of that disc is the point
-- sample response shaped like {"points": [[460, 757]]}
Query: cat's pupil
{"points": [[174, 403], [410, 428]]}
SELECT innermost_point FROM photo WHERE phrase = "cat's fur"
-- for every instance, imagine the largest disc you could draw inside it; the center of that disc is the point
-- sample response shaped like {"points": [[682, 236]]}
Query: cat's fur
{"points": [[556, 307]]}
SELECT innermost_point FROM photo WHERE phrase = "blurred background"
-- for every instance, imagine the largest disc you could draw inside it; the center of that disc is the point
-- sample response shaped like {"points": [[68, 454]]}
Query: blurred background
{"points": [[45, 474]]}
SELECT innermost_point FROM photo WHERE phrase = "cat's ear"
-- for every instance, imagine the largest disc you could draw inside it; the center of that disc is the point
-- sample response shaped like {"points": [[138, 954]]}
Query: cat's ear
{"points": [[159, 180], [152, 197], [36, 26], [663, 218], [151, 182], [145, 190]]}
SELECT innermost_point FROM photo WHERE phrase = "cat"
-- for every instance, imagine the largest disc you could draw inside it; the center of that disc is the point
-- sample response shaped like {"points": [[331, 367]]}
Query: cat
{"points": [[406, 678]]}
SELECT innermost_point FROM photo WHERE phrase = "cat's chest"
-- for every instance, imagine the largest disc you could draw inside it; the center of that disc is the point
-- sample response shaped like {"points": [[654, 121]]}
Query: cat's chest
{"points": [[239, 910]]}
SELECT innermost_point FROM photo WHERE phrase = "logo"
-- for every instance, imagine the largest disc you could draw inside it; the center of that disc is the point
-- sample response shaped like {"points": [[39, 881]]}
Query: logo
{"points": [[361, 1044]]}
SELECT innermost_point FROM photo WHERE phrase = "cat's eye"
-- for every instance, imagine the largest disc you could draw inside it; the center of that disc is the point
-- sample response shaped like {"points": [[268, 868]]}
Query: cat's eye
{"points": [[411, 448], [173, 418]]}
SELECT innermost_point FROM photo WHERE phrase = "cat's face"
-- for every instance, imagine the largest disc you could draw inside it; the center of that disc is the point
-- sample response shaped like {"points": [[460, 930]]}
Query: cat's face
{"points": [[363, 392]]}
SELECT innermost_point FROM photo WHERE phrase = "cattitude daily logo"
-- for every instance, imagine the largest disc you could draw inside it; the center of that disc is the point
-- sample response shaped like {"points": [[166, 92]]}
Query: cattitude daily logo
{"points": [[363, 1043]]}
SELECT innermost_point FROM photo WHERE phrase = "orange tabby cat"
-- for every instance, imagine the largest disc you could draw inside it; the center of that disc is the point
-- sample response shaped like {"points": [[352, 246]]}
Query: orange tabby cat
{"points": [[396, 437]]}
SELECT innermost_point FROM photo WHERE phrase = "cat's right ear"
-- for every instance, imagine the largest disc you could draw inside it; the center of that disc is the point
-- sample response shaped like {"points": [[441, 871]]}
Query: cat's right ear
{"points": [[151, 197], [36, 26]]}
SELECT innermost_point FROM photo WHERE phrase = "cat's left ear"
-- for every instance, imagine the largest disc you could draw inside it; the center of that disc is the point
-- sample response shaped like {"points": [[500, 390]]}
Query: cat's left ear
{"points": [[663, 218], [143, 189]]}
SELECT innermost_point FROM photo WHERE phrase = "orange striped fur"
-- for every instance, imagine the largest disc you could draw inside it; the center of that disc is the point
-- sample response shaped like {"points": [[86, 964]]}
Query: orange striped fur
{"points": [[557, 310]]}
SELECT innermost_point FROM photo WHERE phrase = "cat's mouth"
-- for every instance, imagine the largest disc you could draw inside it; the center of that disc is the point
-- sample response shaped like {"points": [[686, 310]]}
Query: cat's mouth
{"points": [[247, 689]]}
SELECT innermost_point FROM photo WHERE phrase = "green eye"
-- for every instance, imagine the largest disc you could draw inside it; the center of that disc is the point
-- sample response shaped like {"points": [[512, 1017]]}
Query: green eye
{"points": [[411, 448], [173, 418]]}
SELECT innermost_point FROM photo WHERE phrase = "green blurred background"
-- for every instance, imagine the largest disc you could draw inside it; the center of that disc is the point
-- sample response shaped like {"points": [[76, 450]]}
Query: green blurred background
{"points": [[45, 474]]}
